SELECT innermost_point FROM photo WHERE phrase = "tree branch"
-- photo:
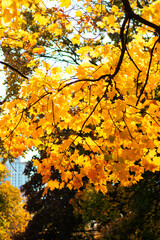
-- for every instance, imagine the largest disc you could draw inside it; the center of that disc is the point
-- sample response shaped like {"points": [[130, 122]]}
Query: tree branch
{"points": [[14, 69], [146, 81], [131, 15]]}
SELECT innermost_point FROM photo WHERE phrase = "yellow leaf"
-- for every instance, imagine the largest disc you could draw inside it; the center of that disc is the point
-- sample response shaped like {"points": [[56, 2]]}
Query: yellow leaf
{"points": [[2, 167], [52, 184], [9, 11], [156, 161], [39, 50], [78, 13], [65, 3], [58, 31], [43, 20], [76, 39]]}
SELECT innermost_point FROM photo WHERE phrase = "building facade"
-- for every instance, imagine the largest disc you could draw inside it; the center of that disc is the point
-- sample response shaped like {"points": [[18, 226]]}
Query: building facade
{"points": [[16, 169]]}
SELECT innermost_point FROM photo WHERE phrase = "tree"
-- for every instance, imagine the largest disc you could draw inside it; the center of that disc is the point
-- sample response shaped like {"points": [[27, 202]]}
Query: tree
{"points": [[13, 217], [123, 212], [106, 100], [19, 56], [53, 215]]}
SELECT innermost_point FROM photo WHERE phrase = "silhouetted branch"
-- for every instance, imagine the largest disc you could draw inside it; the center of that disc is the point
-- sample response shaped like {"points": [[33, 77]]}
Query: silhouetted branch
{"points": [[142, 90], [132, 15], [14, 69]]}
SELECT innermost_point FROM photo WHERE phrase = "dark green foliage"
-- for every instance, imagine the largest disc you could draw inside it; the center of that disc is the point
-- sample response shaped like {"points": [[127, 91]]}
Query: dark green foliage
{"points": [[124, 213], [53, 216]]}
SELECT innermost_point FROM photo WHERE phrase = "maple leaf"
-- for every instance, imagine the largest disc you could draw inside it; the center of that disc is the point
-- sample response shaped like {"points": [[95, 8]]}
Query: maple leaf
{"points": [[9, 9], [39, 50], [53, 184], [99, 96], [76, 39], [65, 3]]}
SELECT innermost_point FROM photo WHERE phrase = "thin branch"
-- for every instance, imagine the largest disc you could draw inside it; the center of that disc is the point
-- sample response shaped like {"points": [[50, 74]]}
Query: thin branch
{"points": [[53, 113], [114, 122], [137, 83], [12, 166], [133, 61], [145, 113], [83, 80], [25, 109], [153, 118], [14, 69], [31, 105], [16, 125], [127, 127], [91, 112], [146, 81], [99, 147]]}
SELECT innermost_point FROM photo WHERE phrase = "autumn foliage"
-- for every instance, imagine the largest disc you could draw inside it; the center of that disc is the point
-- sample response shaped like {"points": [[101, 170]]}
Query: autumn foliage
{"points": [[95, 111], [13, 217]]}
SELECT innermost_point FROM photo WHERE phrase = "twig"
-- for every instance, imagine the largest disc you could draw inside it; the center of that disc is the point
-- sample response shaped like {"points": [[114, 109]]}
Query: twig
{"points": [[127, 127], [91, 112], [114, 122], [133, 60], [16, 125]]}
